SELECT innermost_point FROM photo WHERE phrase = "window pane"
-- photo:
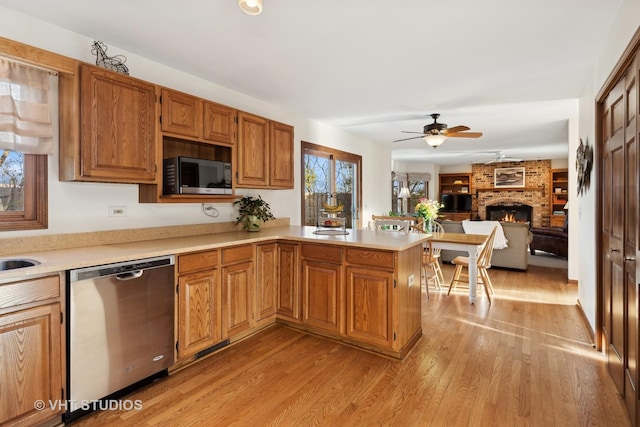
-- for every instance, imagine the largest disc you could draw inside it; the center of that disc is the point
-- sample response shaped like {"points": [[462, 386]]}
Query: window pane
{"points": [[417, 191], [317, 179], [11, 181], [345, 190]]}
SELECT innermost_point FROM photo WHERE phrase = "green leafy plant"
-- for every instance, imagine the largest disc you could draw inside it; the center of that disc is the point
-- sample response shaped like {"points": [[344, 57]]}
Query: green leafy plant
{"points": [[253, 206]]}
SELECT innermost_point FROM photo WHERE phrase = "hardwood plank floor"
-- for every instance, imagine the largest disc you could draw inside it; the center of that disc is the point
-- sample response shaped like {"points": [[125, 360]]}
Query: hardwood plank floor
{"points": [[525, 360]]}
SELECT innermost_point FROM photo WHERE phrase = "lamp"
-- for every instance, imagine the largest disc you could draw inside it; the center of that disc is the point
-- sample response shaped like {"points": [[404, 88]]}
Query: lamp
{"points": [[435, 139], [404, 195], [251, 7]]}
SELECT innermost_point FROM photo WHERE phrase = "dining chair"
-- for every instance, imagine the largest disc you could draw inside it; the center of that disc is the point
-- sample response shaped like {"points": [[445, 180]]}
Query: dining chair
{"points": [[429, 265], [484, 263], [436, 271], [393, 225]]}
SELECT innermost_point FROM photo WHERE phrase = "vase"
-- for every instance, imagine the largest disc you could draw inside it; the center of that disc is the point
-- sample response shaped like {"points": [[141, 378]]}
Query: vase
{"points": [[427, 225], [253, 223]]}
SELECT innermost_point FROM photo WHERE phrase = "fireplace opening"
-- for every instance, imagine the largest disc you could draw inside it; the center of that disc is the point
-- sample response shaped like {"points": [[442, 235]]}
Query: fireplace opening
{"points": [[516, 212]]}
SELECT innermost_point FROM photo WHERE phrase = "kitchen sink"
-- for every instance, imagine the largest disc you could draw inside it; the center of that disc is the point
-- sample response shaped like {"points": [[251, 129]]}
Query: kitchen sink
{"points": [[13, 263]]}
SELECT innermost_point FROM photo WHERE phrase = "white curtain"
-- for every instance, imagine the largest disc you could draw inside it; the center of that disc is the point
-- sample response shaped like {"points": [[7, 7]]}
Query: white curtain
{"points": [[25, 112]]}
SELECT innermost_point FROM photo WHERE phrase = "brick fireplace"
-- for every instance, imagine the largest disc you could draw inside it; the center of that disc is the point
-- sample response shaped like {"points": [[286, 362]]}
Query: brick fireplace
{"points": [[534, 193]]}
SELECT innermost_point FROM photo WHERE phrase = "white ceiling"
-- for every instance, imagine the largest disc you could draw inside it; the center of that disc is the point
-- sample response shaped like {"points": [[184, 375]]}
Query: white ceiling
{"points": [[510, 69]]}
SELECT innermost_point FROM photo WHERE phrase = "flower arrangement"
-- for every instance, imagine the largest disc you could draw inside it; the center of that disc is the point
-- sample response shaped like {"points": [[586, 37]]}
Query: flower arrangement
{"points": [[428, 209]]}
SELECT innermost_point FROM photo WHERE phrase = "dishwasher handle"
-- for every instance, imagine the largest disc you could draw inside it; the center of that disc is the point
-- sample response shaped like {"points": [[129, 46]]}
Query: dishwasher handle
{"points": [[130, 275]]}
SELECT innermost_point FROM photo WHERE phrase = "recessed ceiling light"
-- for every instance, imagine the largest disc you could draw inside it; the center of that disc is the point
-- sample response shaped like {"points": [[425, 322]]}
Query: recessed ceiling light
{"points": [[251, 7]]}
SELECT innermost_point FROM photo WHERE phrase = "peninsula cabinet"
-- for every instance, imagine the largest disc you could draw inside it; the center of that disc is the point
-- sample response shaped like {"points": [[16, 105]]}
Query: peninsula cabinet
{"points": [[107, 127], [323, 287], [199, 303], [238, 290], [31, 356], [265, 153]]}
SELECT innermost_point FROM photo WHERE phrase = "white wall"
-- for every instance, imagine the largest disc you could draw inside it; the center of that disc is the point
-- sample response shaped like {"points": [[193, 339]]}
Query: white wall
{"points": [[624, 26], [80, 207]]}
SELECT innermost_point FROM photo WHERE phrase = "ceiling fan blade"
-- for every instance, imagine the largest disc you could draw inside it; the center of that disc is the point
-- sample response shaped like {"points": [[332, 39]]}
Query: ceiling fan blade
{"points": [[457, 129], [407, 131], [464, 135], [407, 139]]}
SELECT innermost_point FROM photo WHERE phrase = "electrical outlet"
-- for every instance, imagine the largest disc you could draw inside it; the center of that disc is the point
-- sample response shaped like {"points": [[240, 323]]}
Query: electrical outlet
{"points": [[117, 211], [410, 280]]}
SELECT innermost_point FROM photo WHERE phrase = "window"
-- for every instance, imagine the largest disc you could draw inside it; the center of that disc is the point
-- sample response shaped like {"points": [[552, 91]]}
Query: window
{"points": [[26, 137], [418, 185], [331, 172], [23, 191]]}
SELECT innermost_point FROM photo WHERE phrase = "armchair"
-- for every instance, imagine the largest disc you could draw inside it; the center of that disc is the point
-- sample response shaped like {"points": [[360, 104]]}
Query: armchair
{"points": [[554, 240]]}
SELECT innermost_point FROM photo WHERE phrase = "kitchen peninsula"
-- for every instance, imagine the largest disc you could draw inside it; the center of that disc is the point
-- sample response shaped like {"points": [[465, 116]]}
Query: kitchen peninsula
{"points": [[362, 288]]}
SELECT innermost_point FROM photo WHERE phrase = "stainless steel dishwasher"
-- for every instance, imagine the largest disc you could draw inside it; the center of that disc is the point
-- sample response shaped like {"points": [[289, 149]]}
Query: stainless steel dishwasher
{"points": [[120, 329]]}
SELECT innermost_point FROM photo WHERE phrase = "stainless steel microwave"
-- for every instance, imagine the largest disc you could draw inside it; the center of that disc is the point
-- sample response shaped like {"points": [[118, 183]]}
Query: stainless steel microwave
{"points": [[188, 175]]}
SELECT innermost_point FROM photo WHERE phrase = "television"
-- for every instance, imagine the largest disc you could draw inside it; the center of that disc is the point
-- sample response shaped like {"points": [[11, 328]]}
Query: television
{"points": [[455, 202]]}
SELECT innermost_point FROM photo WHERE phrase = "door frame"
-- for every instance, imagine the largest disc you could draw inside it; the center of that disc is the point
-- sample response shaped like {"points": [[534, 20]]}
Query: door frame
{"points": [[335, 154], [618, 71]]}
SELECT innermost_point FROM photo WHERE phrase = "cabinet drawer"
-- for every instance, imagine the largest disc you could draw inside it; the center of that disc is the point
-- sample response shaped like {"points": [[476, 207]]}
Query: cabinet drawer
{"points": [[236, 254], [322, 252], [197, 261], [371, 258], [28, 291]]}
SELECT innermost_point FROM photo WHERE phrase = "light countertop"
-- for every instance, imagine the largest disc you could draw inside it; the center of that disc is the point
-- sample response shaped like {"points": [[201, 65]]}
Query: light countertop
{"points": [[67, 259]]}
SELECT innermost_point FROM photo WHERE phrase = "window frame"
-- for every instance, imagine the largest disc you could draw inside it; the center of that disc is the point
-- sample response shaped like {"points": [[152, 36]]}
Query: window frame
{"points": [[35, 213]]}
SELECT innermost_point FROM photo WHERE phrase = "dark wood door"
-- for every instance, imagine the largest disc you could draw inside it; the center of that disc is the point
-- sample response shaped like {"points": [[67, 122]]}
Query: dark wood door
{"points": [[619, 237]]}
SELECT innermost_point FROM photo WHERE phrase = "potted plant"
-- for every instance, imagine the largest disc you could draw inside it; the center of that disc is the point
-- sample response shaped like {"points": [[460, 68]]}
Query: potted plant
{"points": [[251, 210]]}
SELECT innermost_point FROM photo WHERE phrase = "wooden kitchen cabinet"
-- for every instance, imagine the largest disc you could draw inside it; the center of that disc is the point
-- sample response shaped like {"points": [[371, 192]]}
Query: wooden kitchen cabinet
{"points": [[31, 356], [113, 138], [199, 307], [266, 280], [185, 115], [238, 290], [323, 287], [265, 153], [181, 113], [288, 299]]}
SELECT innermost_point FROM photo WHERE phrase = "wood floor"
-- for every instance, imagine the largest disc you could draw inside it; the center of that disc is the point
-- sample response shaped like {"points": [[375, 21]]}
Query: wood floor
{"points": [[526, 360]]}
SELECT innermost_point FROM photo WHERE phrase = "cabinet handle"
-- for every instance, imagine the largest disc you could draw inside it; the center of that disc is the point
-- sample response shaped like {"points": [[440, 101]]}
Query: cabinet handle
{"points": [[629, 258]]}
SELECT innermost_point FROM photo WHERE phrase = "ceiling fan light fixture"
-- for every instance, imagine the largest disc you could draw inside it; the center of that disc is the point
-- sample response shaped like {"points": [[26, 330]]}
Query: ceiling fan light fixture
{"points": [[435, 139], [251, 7]]}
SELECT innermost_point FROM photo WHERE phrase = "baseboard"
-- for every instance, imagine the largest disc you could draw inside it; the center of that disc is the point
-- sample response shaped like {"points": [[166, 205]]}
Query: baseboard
{"points": [[592, 333], [572, 281]]}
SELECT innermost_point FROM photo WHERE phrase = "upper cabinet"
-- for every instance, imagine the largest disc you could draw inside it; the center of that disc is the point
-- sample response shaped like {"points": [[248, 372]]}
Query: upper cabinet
{"points": [[108, 128], [186, 115], [265, 153]]}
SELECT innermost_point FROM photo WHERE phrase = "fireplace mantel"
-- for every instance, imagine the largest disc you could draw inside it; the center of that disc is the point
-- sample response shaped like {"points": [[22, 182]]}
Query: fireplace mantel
{"points": [[478, 190]]}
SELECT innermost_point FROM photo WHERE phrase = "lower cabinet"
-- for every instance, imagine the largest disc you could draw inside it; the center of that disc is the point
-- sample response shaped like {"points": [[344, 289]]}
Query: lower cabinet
{"points": [[266, 281], [199, 303], [237, 290], [31, 352], [288, 298], [369, 298], [323, 288]]}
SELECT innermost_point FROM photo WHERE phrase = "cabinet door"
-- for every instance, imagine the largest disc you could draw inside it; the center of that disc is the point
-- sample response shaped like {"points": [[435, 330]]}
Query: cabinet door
{"points": [[369, 297], [323, 295], [219, 123], [30, 365], [181, 113], [288, 302], [281, 155], [253, 151], [118, 140], [238, 298], [199, 312], [267, 280]]}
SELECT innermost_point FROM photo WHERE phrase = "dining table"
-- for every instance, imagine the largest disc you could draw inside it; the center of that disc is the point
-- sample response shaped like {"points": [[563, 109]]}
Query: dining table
{"points": [[472, 244]]}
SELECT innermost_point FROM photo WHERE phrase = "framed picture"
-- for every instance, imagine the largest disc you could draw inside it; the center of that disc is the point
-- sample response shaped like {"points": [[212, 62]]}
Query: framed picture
{"points": [[508, 177]]}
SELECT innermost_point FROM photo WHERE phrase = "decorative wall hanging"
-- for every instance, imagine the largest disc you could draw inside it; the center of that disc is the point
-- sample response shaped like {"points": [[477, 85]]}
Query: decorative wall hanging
{"points": [[584, 164], [113, 63], [508, 177]]}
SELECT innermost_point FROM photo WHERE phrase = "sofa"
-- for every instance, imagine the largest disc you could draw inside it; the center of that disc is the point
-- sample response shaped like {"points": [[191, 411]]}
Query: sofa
{"points": [[554, 240], [515, 255]]}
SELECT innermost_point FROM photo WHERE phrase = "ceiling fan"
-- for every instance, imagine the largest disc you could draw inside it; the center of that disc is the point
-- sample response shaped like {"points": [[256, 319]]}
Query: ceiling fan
{"points": [[501, 157], [435, 133]]}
